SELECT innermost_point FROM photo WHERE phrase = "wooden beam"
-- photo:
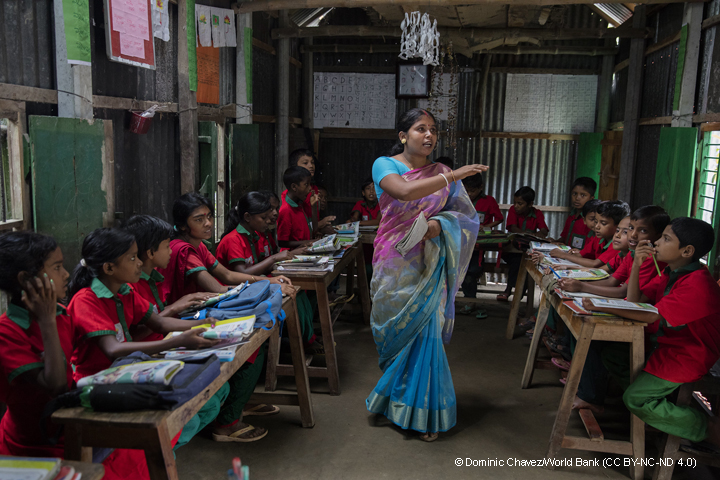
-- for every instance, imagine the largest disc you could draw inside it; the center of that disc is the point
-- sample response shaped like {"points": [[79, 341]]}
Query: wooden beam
{"points": [[550, 71], [693, 17], [531, 136], [632, 109], [519, 50], [282, 128], [308, 87], [604, 92], [187, 106], [470, 33], [116, 103], [74, 82], [711, 22], [604, 15], [353, 69], [266, 5], [28, 94], [263, 46]]}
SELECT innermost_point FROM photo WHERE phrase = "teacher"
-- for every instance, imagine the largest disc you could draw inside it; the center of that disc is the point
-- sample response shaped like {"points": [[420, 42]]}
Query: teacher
{"points": [[414, 296]]}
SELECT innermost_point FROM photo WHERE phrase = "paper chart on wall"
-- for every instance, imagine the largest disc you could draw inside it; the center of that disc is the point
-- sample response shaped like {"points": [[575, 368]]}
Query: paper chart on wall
{"points": [[161, 20], [130, 19], [354, 100]]}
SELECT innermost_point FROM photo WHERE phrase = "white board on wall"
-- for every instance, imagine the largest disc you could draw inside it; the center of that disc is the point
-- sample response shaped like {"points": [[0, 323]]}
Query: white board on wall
{"points": [[354, 100], [550, 103]]}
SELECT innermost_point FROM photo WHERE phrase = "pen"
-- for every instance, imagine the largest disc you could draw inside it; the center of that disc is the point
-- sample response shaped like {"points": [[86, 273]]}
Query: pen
{"points": [[656, 266], [556, 274]]}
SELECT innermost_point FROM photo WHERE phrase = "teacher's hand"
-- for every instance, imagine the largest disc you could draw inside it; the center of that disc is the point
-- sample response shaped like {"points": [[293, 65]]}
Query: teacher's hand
{"points": [[433, 231], [468, 170]]}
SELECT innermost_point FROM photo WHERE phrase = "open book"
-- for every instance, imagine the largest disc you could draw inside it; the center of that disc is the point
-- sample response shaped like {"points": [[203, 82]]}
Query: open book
{"points": [[348, 229], [547, 247], [158, 372], [413, 236], [28, 468], [325, 244], [623, 305], [587, 274], [230, 332]]}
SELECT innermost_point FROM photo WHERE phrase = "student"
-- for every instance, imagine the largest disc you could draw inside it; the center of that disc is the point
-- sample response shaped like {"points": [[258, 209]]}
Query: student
{"points": [[523, 217], [294, 226], [323, 196], [575, 232], [305, 158], [597, 254], [367, 210], [490, 217], [192, 267], [106, 311], [271, 245], [687, 339], [646, 223]]}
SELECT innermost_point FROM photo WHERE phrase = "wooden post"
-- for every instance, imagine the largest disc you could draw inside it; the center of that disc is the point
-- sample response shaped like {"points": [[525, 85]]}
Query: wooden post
{"points": [[308, 87], [481, 103], [602, 118], [187, 106], [693, 16], [243, 69], [76, 79], [282, 126], [632, 108]]}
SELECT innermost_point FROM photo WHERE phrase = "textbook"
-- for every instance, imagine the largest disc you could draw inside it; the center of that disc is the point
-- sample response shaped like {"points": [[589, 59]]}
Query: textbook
{"points": [[230, 332], [224, 354], [28, 468], [559, 263], [326, 244], [547, 247], [576, 307], [414, 236], [586, 274], [623, 305], [348, 229], [188, 312], [317, 264], [303, 261], [156, 372]]}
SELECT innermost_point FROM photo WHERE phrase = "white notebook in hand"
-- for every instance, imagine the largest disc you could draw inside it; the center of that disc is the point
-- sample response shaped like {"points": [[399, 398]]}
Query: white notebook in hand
{"points": [[413, 236]]}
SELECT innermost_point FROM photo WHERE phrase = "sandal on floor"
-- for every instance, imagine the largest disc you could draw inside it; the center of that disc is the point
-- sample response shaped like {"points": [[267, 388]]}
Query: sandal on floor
{"points": [[315, 348], [561, 363], [503, 297], [481, 313], [262, 409], [342, 299], [527, 324], [429, 437], [466, 310], [237, 436]]}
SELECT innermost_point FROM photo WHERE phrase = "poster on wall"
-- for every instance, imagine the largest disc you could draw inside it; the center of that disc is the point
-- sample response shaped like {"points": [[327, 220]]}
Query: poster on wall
{"points": [[76, 20], [354, 100], [208, 71], [129, 32]]}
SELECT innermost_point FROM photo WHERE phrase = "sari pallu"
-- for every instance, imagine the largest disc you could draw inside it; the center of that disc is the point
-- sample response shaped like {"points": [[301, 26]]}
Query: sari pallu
{"points": [[413, 305]]}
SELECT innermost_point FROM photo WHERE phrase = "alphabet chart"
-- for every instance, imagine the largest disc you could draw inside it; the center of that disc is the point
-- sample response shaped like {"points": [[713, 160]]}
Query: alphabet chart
{"points": [[354, 100]]}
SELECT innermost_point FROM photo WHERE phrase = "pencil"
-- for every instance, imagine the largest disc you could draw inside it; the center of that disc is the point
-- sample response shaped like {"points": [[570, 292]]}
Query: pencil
{"points": [[657, 267], [556, 274]]}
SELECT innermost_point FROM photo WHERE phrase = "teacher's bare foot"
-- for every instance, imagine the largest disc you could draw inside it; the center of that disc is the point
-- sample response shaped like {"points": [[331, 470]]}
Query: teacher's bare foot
{"points": [[429, 436]]}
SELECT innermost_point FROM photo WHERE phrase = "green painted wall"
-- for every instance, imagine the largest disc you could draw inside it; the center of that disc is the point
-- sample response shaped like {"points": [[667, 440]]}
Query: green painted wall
{"points": [[589, 156], [675, 173]]}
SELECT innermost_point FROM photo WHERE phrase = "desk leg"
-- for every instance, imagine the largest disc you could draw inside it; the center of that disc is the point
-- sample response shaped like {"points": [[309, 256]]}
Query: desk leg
{"points": [[159, 454], [350, 279], [274, 355], [73, 444], [530, 296], [537, 335], [300, 369], [637, 426], [363, 286], [570, 390], [517, 297], [328, 338]]}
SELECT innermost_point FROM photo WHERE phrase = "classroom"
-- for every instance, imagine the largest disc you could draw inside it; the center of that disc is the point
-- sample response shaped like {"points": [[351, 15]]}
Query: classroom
{"points": [[319, 239]]}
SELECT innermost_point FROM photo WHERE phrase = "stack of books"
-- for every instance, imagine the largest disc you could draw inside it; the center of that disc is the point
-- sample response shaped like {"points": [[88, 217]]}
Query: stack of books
{"points": [[306, 264], [348, 234], [28, 468], [325, 245]]}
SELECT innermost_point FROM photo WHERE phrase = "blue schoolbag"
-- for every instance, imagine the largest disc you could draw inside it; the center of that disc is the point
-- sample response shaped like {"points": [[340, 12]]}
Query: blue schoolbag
{"points": [[262, 299]]}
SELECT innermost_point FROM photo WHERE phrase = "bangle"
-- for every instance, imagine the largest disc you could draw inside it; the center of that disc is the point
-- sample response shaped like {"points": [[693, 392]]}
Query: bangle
{"points": [[453, 174], [253, 279], [447, 184]]}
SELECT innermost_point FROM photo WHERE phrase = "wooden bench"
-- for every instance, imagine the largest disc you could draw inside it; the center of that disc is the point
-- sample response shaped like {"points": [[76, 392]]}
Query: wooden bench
{"points": [[586, 328], [319, 282], [153, 430]]}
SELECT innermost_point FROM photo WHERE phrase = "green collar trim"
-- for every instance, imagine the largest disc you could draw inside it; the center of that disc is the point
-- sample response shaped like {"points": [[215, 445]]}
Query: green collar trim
{"points": [[243, 231], [154, 276], [531, 214], [607, 245], [291, 202], [21, 317], [101, 291], [675, 275]]}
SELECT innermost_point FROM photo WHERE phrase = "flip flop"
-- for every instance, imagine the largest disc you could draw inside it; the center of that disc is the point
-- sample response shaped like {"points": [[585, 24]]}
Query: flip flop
{"points": [[529, 323], [260, 410], [429, 437], [342, 299], [236, 436], [503, 297], [562, 364], [466, 310], [481, 313]]}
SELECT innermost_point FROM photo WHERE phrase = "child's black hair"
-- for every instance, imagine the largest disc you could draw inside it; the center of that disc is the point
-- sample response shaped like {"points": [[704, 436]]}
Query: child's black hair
{"points": [[252, 203], [184, 206], [149, 232], [270, 194], [615, 209], [447, 161], [99, 247], [368, 181], [296, 155], [587, 183], [473, 181], [526, 193], [22, 251], [695, 232], [295, 175], [591, 206], [405, 123], [657, 216]]}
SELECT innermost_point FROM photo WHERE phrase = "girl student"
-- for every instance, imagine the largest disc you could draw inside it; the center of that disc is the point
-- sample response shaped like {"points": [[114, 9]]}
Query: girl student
{"points": [[271, 245], [192, 267]]}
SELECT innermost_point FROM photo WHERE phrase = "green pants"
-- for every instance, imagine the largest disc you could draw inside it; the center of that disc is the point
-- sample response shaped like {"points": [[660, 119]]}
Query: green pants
{"points": [[647, 398], [306, 313], [204, 417], [241, 387]]}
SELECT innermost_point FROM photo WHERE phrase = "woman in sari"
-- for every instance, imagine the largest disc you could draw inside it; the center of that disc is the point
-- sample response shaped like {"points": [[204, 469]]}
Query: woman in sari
{"points": [[413, 296]]}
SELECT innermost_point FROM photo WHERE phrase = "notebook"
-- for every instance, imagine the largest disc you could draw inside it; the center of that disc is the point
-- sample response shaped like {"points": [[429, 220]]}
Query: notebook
{"points": [[28, 468], [413, 236]]}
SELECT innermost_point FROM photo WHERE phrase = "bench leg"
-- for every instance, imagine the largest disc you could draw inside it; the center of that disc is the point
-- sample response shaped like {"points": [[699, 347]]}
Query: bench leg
{"points": [[328, 338], [274, 357], [363, 286], [570, 390], [350, 279], [159, 454], [302, 382], [530, 296], [537, 335], [73, 444], [637, 426], [517, 297]]}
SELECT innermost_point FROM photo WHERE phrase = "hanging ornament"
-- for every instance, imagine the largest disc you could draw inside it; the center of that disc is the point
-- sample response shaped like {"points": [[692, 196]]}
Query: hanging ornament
{"points": [[420, 38], [452, 100]]}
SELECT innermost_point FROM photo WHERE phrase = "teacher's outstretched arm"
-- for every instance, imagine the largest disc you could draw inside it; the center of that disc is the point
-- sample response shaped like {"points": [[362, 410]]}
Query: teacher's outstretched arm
{"points": [[399, 188]]}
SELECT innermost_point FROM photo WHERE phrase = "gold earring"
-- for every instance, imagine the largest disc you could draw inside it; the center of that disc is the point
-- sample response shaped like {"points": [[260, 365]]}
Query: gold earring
{"points": [[403, 141]]}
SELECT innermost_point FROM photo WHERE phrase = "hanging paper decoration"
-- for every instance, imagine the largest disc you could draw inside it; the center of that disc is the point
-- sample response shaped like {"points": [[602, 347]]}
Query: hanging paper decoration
{"points": [[161, 20], [420, 38], [218, 36], [202, 17], [228, 28]]}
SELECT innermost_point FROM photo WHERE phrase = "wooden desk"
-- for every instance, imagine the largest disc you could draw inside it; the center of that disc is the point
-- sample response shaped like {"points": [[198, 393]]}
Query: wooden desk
{"points": [[368, 238], [153, 430], [319, 281], [90, 471], [517, 298], [586, 328]]}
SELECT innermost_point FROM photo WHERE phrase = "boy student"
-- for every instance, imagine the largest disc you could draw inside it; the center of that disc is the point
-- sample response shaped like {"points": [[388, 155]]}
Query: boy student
{"points": [[305, 158], [522, 218], [598, 253], [367, 210], [687, 340], [294, 226], [646, 223], [575, 231]]}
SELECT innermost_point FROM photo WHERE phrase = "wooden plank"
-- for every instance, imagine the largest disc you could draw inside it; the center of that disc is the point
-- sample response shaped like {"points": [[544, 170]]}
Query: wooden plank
{"points": [[28, 94], [353, 69], [263, 46], [295, 62], [693, 15], [116, 103], [308, 88], [108, 175], [711, 22], [604, 91], [531, 136], [550, 71], [651, 49], [591, 425], [282, 127], [517, 50], [187, 107], [531, 361], [607, 446]]}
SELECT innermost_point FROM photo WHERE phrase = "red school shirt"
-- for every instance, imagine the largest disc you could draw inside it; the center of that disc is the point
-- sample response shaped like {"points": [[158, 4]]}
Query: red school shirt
{"points": [[293, 223], [608, 254], [185, 261], [150, 287], [366, 213], [21, 351], [575, 232], [593, 248], [270, 242], [647, 270], [489, 210], [240, 245], [97, 312], [532, 222], [615, 262], [688, 335], [307, 206]]}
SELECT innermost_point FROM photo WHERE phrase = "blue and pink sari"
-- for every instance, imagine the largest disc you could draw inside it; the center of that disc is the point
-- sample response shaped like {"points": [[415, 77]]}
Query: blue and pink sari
{"points": [[413, 304]]}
